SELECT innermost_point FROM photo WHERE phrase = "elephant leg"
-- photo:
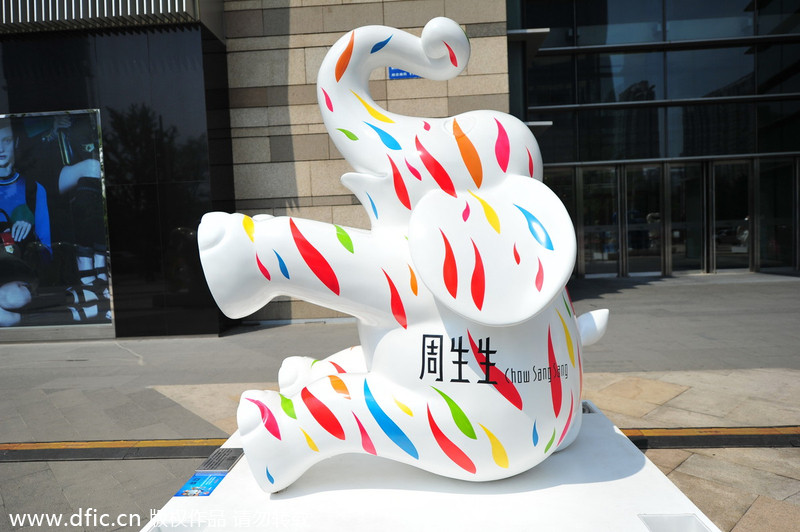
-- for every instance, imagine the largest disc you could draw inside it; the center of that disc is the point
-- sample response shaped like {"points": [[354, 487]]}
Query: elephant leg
{"points": [[297, 372]]}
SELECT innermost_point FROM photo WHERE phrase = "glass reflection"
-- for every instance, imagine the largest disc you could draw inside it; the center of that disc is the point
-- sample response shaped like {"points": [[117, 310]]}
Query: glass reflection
{"points": [[715, 129], [778, 16], [562, 182], [550, 80], [709, 19], [686, 209], [710, 73], [554, 14], [732, 231], [776, 238], [779, 126], [611, 134], [643, 203], [557, 142], [778, 68], [620, 77], [621, 21], [601, 227]]}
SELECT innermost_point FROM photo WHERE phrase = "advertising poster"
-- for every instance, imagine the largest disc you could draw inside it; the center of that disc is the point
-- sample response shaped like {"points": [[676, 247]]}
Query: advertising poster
{"points": [[54, 255]]}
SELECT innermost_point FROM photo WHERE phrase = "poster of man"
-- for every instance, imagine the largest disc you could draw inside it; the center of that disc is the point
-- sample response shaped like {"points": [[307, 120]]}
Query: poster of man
{"points": [[54, 259]]}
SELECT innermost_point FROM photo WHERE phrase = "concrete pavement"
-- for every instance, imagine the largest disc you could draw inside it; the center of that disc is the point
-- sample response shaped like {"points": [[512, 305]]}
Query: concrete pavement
{"points": [[697, 351]]}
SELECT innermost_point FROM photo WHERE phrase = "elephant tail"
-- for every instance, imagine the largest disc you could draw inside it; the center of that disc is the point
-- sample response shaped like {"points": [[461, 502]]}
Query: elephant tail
{"points": [[349, 111]]}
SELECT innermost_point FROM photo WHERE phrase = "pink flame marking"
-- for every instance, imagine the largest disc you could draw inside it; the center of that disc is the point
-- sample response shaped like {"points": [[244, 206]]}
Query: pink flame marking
{"points": [[453, 58], [478, 279], [501, 146], [366, 442], [501, 383], [263, 269], [400, 186], [413, 170], [465, 212], [569, 419], [426, 125], [436, 170], [530, 162], [270, 423], [449, 269], [516, 254], [328, 102], [314, 260], [555, 382], [580, 368], [540, 276], [322, 414], [396, 304], [450, 449]]}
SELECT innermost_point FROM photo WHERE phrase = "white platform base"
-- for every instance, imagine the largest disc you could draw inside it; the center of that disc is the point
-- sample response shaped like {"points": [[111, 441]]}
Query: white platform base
{"points": [[602, 482]]}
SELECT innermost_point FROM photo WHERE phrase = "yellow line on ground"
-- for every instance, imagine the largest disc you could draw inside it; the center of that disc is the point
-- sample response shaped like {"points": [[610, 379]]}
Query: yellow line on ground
{"points": [[714, 431], [109, 444]]}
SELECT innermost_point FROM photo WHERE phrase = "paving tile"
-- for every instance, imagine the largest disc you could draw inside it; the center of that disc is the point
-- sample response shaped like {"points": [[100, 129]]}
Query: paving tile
{"points": [[761, 412], [667, 416], [667, 459], [767, 514], [781, 461], [647, 390], [14, 429], [37, 492], [629, 407], [722, 504], [131, 416], [740, 477], [707, 401]]}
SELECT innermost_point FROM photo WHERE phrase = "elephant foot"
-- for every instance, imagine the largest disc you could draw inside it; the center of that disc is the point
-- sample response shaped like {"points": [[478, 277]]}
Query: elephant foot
{"points": [[298, 372], [278, 452]]}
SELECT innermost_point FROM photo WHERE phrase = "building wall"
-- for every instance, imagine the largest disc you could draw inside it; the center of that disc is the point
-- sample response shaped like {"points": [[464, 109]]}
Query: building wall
{"points": [[284, 163]]}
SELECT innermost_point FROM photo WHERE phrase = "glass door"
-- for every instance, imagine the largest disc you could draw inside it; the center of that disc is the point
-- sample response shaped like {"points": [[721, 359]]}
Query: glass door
{"points": [[731, 222], [600, 221], [776, 204], [687, 212], [643, 219]]}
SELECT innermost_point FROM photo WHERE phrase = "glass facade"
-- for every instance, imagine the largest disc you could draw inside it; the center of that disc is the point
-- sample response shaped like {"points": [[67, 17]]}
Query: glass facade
{"points": [[684, 115]]}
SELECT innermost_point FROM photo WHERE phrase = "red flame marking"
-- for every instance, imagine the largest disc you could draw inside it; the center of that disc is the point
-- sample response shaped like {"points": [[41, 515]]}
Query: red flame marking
{"points": [[328, 102], [453, 58], [555, 381], [436, 170], [503, 385], [263, 269], [540, 276], [478, 279], [322, 414], [569, 419], [530, 162], [449, 269], [396, 304], [413, 170], [314, 260], [400, 186], [453, 453]]}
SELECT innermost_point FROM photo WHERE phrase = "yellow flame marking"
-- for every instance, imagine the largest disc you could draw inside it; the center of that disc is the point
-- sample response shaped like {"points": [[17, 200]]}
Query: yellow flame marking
{"points": [[569, 340], [372, 111], [310, 442], [498, 452], [403, 407], [249, 228], [491, 216]]}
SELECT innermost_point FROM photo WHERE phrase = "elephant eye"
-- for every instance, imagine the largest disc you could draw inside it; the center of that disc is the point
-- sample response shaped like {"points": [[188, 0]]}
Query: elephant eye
{"points": [[537, 229]]}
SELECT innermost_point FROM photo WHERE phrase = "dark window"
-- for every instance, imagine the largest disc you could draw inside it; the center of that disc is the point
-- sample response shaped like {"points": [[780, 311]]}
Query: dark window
{"points": [[612, 134], [551, 81], [621, 21], [708, 19], [554, 14], [779, 126], [776, 185], [620, 77], [778, 16], [600, 220], [710, 73], [778, 68], [562, 182], [718, 129], [557, 142]]}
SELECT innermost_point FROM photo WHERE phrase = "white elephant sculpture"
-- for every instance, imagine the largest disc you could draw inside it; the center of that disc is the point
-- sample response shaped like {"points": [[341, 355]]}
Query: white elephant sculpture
{"points": [[470, 363]]}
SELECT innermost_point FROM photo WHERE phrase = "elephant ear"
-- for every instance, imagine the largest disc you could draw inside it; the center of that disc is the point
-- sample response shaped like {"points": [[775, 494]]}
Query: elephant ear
{"points": [[497, 256]]}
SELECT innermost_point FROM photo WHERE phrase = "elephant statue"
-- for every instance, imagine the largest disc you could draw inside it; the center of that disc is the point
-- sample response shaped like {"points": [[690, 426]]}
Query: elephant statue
{"points": [[470, 357]]}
